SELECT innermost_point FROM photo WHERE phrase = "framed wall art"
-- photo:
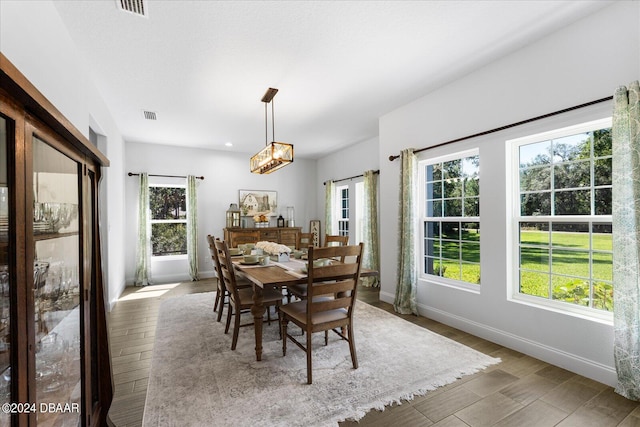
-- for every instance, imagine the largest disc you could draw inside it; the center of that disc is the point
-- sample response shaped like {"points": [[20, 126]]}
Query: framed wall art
{"points": [[258, 202]]}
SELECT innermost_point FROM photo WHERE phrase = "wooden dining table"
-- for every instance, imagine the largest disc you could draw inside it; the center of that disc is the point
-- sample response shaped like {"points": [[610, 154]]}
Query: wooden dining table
{"points": [[276, 275]]}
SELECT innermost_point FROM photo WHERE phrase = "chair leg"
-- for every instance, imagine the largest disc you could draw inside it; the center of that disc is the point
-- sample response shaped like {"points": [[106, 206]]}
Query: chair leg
{"points": [[236, 330], [283, 331], [309, 373], [326, 337], [229, 313], [220, 302], [216, 302], [352, 347]]}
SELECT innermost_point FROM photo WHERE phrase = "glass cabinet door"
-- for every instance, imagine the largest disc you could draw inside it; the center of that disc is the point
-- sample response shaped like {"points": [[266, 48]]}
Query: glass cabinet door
{"points": [[56, 285], [5, 301]]}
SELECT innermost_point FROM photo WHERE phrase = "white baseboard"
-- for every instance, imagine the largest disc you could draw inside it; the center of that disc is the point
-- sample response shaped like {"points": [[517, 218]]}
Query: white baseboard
{"points": [[571, 362]]}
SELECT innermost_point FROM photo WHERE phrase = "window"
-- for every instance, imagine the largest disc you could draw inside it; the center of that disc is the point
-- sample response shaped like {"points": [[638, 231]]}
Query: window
{"points": [[343, 210], [168, 206], [563, 216], [450, 210]]}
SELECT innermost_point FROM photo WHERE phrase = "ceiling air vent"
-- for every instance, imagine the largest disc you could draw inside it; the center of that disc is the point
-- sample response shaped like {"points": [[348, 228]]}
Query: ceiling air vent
{"points": [[150, 115], [136, 7]]}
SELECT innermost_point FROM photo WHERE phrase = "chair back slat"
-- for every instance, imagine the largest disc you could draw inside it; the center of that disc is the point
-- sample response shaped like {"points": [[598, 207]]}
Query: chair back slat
{"points": [[337, 279]]}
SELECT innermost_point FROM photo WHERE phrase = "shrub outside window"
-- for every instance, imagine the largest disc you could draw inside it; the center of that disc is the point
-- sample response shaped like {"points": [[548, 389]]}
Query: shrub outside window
{"points": [[563, 216], [451, 217]]}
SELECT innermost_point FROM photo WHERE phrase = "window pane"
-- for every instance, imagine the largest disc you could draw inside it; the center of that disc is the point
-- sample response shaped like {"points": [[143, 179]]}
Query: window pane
{"points": [[451, 270], [603, 201], [570, 235], [572, 147], [603, 296], [433, 172], [453, 188], [602, 238], [452, 169], [470, 272], [572, 175], [451, 250], [536, 284], [472, 206], [453, 207], [602, 142], [169, 239], [575, 202], [432, 247], [534, 258], [533, 204], [471, 187], [602, 171], [451, 230], [432, 229], [168, 203], [436, 208], [602, 266], [570, 263], [471, 231], [434, 190], [535, 154], [471, 252], [571, 290], [535, 179], [534, 233]]}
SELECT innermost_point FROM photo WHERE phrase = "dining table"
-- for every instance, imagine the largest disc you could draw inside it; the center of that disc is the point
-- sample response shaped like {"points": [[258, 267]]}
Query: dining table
{"points": [[274, 275]]}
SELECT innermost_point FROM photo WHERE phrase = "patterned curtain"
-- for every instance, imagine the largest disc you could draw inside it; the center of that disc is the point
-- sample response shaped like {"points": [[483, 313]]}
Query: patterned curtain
{"points": [[371, 257], [405, 301], [143, 248], [329, 195], [626, 239], [192, 227]]}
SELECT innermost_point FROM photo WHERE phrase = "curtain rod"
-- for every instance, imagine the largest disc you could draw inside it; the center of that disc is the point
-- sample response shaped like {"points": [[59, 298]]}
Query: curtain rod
{"points": [[352, 177], [165, 176], [544, 116]]}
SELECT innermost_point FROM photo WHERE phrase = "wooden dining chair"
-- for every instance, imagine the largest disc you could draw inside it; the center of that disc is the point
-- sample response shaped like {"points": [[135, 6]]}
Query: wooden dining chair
{"points": [[240, 299], [304, 240], [222, 294], [329, 304], [333, 240]]}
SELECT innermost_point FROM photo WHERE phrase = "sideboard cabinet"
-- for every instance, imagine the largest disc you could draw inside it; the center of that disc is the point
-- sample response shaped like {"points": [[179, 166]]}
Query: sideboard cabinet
{"points": [[54, 355], [284, 235]]}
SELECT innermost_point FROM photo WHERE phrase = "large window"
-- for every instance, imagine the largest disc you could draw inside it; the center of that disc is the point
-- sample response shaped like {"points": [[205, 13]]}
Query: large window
{"points": [[450, 211], [563, 216], [168, 206]]}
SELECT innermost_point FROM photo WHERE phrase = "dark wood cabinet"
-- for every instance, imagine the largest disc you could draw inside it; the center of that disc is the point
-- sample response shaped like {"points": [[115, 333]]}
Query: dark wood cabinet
{"points": [[236, 236], [54, 355]]}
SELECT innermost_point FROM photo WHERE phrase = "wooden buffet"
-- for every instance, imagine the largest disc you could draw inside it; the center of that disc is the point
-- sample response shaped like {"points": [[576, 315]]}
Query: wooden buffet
{"points": [[284, 235]]}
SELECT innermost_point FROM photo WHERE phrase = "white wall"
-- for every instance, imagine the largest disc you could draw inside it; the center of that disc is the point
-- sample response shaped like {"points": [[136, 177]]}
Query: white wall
{"points": [[34, 39], [225, 173], [580, 63]]}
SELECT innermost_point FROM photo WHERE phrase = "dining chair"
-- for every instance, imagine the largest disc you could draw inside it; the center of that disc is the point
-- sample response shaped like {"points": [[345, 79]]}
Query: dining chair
{"points": [[222, 294], [333, 240], [304, 240], [329, 304], [240, 299]]}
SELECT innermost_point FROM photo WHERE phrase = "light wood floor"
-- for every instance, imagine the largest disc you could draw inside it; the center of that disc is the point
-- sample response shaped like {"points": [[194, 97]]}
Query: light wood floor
{"points": [[520, 391]]}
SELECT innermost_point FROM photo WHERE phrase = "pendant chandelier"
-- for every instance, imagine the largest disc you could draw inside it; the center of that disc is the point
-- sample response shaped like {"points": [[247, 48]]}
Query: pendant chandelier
{"points": [[275, 154]]}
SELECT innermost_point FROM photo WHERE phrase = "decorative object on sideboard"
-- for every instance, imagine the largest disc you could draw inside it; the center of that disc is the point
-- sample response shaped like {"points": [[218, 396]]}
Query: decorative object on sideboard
{"points": [[275, 154], [280, 221], [291, 214], [314, 228], [233, 216]]}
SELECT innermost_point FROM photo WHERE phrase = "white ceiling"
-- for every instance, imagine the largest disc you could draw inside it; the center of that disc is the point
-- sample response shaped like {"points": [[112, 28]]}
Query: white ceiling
{"points": [[203, 66]]}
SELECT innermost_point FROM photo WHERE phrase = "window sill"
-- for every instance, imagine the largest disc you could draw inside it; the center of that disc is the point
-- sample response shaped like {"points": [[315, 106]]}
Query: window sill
{"points": [[450, 283], [593, 315], [169, 258]]}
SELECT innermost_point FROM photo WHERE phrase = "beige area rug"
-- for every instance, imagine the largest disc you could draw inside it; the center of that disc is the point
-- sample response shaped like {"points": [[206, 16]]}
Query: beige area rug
{"points": [[196, 380]]}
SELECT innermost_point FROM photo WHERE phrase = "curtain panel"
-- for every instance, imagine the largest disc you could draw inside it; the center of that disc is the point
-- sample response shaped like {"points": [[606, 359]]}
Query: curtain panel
{"points": [[329, 196], [192, 227], [371, 255], [406, 300], [626, 239], [143, 247]]}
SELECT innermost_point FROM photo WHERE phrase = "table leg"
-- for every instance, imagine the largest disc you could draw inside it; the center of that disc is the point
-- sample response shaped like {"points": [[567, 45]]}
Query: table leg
{"points": [[258, 312]]}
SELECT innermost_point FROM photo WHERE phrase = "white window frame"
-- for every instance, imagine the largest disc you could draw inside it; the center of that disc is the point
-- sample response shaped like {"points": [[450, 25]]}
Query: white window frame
{"points": [[432, 278], [160, 221], [514, 174]]}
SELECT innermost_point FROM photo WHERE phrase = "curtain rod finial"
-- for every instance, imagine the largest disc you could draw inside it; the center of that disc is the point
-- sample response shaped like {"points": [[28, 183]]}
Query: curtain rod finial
{"points": [[392, 158]]}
